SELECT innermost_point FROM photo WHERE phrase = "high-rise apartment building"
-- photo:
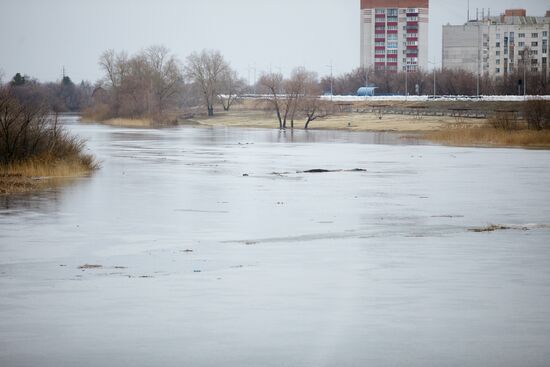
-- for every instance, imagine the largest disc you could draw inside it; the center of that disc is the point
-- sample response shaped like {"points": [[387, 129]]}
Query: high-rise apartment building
{"points": [[499, 45], [394, 34]]}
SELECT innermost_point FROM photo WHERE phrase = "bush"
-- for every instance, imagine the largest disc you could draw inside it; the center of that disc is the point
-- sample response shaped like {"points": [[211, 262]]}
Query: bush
{"points": [[504, 121], [537, 114], [29, 132]]}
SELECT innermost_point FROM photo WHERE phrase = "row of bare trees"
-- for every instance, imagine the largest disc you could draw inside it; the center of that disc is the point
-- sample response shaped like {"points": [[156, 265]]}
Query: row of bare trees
{"points": [[447, 82], [296, 97], [155, 81]]}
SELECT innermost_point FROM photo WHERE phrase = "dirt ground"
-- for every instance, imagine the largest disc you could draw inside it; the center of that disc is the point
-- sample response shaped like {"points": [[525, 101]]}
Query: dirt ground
{"points": [[341, 121]]}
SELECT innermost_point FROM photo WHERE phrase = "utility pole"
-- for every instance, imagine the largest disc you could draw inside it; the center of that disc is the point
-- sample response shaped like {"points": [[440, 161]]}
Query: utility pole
{"points": [[478, 58], [406, 81], [331, 79]]}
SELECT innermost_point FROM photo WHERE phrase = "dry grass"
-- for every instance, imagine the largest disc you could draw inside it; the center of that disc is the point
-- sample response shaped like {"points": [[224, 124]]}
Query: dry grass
{"points": [[489, 136], [37, 173]]}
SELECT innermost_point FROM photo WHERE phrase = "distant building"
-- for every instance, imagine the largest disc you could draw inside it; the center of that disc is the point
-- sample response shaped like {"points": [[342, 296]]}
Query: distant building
{"points": [[499, 45], [394, 34]]}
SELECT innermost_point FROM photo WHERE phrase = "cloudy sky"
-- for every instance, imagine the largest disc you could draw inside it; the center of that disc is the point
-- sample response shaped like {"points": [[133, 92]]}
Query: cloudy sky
{"points": [[39, 37]]}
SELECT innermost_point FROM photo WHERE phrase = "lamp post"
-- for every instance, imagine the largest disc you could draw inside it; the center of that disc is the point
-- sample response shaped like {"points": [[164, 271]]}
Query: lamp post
{"points": [[434, 64], [406, 81], [331, 79]]}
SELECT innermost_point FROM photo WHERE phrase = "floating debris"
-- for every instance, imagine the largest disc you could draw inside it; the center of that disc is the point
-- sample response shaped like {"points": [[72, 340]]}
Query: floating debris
{"points": [[490, 228], [90, 266]]}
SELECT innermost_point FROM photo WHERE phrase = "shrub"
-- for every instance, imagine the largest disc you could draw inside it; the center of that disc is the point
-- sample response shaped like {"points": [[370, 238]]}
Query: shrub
{"points": [[504, 121], [29, 132], [537, 114]]}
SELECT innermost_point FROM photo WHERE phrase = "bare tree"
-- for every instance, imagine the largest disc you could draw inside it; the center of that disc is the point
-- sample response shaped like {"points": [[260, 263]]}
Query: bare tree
{"points": [[206, 70], [314, 108], [303, 84], [164, 73], [231, 88], [273, 84]]}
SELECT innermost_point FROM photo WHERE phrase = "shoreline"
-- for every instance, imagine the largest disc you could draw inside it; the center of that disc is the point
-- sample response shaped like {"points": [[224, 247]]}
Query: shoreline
{"points": [[441, 129]]}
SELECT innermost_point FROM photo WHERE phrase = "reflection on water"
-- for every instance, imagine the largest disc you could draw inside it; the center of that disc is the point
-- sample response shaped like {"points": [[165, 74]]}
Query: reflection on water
{"points": [[186, 249]]}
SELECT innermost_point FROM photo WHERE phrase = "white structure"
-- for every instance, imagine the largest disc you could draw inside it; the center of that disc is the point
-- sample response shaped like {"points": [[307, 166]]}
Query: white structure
{"points": [[499, 45], [394, 34]]}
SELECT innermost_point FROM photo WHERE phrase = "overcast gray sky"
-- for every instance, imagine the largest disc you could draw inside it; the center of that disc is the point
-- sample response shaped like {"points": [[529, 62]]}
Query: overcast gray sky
{"points": [[38, 37]]}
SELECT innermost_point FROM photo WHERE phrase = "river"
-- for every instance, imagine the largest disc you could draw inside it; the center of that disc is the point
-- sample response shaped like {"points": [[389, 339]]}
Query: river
{"points": [[197, 246]]}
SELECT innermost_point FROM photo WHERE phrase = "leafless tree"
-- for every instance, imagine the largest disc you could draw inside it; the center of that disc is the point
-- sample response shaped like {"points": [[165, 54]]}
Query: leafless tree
{"points": [[303, 84], [206, 70], [314, 108], [164, 73], [273, 84], [230, 89]]}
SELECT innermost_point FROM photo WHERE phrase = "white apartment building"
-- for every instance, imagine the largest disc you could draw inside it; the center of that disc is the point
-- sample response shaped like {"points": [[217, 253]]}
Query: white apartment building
{"points": [[394, 34], [499, 45]]}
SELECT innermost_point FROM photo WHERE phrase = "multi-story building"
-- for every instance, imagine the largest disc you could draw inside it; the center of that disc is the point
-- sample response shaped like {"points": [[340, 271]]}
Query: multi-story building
{"points": [[394, 34], [499, 45], [466, 47]]}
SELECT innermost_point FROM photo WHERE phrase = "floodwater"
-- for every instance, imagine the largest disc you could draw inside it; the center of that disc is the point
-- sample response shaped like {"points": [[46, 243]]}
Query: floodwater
{"points": [[208, 258]]}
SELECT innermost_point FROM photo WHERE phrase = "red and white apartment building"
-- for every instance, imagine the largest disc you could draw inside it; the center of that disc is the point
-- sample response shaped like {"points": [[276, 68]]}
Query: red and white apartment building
{"points": [[394, 34]]}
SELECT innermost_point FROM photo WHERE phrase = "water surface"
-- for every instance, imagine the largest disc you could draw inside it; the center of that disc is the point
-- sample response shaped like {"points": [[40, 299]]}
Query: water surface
{"points": [[208, 258]]}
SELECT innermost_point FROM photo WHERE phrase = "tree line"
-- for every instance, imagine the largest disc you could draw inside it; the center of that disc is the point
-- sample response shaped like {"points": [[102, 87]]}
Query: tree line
{"points": [[447, 82], [154, 83]]}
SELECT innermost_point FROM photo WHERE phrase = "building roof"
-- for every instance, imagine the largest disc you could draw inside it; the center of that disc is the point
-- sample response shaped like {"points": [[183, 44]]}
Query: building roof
{"points": [[515, 20], [369, 4]]}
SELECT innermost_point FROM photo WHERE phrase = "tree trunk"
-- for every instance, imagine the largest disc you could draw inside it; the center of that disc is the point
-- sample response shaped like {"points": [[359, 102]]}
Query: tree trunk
{"points": [[210, 111]]}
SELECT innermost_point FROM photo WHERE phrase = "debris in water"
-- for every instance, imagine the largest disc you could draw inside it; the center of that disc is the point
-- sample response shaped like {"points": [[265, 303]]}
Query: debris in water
{"points": [[90, 266], [186, 250], [490, 228]]}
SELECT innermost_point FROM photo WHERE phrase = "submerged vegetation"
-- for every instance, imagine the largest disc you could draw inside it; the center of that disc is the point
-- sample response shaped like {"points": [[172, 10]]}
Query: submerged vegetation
{"points": [[34, 146]]}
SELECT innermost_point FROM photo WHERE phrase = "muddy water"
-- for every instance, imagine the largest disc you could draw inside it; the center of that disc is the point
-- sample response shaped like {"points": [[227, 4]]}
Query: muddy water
{"points": [[204, 257]]}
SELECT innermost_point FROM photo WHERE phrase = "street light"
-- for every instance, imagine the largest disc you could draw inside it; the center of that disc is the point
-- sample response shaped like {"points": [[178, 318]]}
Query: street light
{"points": [[331, 79], [434, 64]]}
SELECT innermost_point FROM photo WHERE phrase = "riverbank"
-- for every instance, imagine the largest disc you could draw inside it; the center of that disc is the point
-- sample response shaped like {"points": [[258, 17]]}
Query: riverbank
{"points": [[461, 123], [42, 173], [490, 137]]}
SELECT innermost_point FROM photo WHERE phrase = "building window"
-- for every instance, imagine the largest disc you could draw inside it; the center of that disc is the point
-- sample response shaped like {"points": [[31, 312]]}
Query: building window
{"points": [[534, 35], [521, 44], [392, 12], [521, 35], [497, 70], [380, 11], [534, 44], [498, 36], [498, 44], [498, 62], [497, 53], [545, 34]]}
